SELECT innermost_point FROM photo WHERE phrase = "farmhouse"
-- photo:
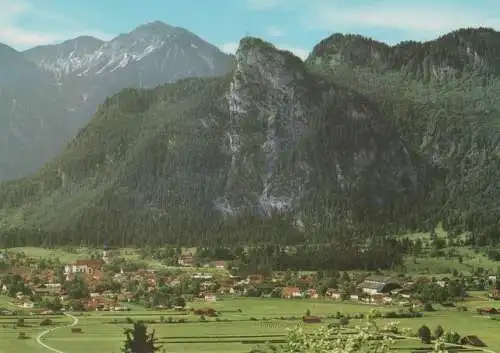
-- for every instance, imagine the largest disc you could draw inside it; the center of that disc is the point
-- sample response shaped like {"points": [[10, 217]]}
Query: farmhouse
{"points": [[291, 292], [186, 260], [254, 279], [210, 297], [220, 264], [312, 293], [334, 293], [379, 284], [472, 340], [311, 319], [487, 311]]}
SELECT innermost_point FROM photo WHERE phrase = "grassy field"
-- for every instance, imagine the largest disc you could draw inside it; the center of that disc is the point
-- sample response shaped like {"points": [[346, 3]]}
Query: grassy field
{"points": [[426, 265], [249, 322], [63, 255], [418, 265]]}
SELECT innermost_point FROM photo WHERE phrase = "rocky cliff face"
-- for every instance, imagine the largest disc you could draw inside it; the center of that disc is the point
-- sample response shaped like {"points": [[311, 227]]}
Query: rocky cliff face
{"points": [[293, 135]]}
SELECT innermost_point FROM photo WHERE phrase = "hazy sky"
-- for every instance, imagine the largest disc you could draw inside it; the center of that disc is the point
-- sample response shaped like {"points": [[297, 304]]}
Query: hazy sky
{"points": [[291, 24]]}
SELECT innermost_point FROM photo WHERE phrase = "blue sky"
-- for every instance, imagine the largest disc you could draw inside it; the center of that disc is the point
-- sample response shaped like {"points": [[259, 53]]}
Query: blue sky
{"points": [[295, 25]]}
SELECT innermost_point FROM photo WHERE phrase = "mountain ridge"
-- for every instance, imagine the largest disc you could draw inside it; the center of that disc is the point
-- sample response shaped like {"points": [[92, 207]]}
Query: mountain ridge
{"points": [[59, 86], [253, 146], [466, 49]]}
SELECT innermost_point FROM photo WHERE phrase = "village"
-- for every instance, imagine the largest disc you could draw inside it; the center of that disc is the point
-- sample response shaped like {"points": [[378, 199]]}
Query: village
{"points": [[101, 284], [186, 289]]}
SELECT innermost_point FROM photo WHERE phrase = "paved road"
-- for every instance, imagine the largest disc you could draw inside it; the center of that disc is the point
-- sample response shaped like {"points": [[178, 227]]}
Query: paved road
{"points": [[41, 335]]}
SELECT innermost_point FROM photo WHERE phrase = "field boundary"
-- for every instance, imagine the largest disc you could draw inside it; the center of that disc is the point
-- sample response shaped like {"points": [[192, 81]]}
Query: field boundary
{"points": [[46, 332]]}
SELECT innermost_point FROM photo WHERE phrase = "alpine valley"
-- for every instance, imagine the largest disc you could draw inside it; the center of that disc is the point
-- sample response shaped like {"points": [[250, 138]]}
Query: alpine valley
{"points": [[361, 139]]}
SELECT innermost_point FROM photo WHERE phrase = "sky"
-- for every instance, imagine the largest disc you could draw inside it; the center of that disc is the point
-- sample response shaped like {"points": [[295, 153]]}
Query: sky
{"points": [[295, 25]]}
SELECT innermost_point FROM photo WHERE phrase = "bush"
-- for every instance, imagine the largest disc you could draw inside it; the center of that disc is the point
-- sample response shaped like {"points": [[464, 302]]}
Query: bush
{"points": [[76, 330], [451, 336], [22, 336], [344, 321], [46, 322], [20, 323], [428, 307]]}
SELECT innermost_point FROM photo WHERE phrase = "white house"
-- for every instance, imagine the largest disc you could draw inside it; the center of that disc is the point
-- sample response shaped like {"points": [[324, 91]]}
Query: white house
{"points": [[28, 304], [210, 297]]}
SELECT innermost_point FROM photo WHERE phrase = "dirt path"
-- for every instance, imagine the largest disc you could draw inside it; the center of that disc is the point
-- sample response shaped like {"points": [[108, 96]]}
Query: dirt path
{"points": [[46, 332]]}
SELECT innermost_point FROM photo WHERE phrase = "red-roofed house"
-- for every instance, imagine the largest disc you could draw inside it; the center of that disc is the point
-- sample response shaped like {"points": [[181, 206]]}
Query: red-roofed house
{"points": [[220, 264], [312, 293], [291, 292]]}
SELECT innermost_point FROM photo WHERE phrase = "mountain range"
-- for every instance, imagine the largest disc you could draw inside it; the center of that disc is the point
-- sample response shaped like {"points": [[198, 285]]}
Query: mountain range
{"points": [[359, 140], [48, 93]]}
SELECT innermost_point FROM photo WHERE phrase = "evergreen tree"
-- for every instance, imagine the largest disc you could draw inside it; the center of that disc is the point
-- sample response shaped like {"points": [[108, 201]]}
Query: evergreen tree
{"points": [[138, 340]]}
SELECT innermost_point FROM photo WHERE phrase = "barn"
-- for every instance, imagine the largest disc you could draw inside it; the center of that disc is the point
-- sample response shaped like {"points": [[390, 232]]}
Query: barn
{"points": [[379, 284]]}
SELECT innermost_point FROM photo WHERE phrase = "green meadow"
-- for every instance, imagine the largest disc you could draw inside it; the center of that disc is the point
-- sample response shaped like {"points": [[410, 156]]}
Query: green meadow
{"points": [[242, 324]]}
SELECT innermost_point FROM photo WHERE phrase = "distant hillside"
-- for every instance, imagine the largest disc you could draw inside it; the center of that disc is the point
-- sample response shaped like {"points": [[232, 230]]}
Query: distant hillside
{"points": [[52, 91]]}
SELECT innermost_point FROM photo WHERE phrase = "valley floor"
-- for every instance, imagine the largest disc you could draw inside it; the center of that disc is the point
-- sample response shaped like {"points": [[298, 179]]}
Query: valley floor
{"points": [[243, 323]]}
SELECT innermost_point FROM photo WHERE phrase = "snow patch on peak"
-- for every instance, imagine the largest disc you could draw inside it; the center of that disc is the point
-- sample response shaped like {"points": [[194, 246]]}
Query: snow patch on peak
{"points": [[119, 52]]}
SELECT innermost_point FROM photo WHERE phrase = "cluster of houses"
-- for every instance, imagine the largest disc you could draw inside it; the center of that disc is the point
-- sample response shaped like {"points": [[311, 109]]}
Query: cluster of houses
{"points": [[374, 290], [377, 290]]}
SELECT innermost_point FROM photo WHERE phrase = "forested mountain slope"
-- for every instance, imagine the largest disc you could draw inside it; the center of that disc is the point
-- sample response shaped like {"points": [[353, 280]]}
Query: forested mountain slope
{"points": [[342, 146], [442, 97], [200, 158]]}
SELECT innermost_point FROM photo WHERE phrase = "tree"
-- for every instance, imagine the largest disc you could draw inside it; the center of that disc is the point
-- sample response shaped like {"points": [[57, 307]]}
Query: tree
{"points": [[54, 304], [180, 301], [77, 288], [138, 340], [425, 334], [451, 336], [438, 332]]}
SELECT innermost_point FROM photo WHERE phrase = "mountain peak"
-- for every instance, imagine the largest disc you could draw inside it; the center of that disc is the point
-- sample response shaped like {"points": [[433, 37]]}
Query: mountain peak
{"points": [[155, 27], [255, 51], [463, 50]]}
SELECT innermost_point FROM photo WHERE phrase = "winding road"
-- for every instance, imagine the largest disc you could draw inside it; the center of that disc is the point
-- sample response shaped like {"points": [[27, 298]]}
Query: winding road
{"points": [[41, 335]]}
